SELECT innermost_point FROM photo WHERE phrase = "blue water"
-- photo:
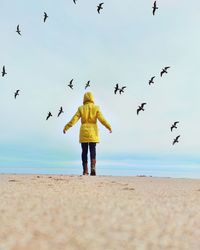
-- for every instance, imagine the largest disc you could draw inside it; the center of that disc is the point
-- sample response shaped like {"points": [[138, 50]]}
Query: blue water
{"points": [[159, 171]]}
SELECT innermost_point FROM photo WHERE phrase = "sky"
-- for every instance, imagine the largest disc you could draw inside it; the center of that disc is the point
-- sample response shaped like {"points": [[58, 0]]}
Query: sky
{"points": [[125, 44]]}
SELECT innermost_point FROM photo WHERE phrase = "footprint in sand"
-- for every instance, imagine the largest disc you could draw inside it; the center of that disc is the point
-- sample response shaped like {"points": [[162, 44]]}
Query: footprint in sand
{"points": [[128, 188]]}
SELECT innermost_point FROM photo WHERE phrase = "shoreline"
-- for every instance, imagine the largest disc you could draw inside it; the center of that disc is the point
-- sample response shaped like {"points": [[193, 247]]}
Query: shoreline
{"points": [[98, 175]]}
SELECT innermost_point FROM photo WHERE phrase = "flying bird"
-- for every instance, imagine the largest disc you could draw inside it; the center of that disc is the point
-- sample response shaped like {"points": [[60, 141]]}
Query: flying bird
{"points": [[74, 1], [122, 89], [60, 111], [18, 31], [87, 84], [176, 140], [174, 125], [164, 71], [151, 80], [3, 71], [154, 7], [116, 88], [17, 93], [49, 115], [99, 7], [45, 16], [70, 84], [141, 107]]}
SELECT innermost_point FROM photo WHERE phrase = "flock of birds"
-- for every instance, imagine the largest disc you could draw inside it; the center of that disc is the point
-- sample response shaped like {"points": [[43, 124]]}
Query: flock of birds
{"points": [[70, 85], [141, 106], [16, 93], [116, 89], [151, 81]]}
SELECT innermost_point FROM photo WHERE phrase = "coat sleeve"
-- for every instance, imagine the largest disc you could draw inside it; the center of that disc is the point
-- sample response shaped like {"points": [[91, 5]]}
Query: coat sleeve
{"points": [[73, 121], [103, 121]]}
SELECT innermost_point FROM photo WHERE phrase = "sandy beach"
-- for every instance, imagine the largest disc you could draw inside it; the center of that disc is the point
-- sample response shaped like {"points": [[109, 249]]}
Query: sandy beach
{"points": [[44, 212]]}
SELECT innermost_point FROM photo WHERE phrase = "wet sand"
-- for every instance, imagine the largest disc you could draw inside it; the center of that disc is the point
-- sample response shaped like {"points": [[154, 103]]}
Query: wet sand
{"points": [[57, 212]]}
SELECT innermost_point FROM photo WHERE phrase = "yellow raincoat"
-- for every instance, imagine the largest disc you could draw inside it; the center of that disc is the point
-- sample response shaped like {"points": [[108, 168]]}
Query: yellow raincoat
{"points": [[89, 113]]}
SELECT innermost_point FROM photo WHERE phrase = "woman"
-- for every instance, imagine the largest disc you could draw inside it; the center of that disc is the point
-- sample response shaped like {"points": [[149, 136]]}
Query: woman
{"points": [[89, 134]]}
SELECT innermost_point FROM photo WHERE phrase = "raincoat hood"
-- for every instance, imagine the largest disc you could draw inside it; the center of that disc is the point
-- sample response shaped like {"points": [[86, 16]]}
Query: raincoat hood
{"points": [[88, 97]]}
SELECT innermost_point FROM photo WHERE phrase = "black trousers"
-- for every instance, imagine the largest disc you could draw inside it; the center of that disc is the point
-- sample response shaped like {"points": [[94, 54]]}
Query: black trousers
{"points": [[92, 147]]}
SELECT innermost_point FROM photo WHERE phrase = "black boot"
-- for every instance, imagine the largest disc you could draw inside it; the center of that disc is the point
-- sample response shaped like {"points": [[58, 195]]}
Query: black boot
{"points": [[93, 167], [85, 168]]}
